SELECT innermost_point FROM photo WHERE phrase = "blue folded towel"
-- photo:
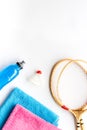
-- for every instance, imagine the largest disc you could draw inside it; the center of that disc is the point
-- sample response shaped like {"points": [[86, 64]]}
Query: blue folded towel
{"points": [[17, 96]]}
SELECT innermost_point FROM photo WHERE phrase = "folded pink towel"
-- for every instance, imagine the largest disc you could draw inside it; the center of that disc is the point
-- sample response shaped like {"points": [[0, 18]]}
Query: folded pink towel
{"points": [[22, 119]]}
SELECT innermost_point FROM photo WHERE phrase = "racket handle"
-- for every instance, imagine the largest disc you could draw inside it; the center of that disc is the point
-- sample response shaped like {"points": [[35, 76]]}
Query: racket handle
{"points": [[82, 127], [78, 117], [82, 124], [78, 126]]}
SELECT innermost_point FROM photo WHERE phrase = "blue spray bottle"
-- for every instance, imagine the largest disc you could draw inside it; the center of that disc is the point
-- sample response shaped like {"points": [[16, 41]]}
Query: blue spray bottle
{"points": [[9, 73]]}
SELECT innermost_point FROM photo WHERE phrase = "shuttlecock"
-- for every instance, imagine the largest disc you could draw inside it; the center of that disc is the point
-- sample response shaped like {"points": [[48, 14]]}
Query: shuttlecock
{"points": [[36, 78]]}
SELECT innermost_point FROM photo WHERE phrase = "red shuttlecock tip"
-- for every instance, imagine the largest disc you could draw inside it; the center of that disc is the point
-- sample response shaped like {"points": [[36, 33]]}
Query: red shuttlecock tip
{"points": [[39, 72]]}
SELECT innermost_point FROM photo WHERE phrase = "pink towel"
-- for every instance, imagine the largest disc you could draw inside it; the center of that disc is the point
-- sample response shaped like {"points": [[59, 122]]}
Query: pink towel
{"points": [[22, 119]]}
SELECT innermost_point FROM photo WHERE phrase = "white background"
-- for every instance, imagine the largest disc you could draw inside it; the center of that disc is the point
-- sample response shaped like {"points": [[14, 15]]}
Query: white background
{"points": [[42, 32]]}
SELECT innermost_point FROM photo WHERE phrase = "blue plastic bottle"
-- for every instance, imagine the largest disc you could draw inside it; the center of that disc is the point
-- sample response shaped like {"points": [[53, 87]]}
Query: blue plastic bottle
{"points": [[9, 73]]}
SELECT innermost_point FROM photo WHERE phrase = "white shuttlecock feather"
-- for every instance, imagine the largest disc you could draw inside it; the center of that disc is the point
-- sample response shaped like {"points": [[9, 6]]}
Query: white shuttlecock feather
{"points": [[36, 78]]}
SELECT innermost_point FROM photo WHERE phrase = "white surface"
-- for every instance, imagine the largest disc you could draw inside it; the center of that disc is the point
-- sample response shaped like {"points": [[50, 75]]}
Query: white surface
{"points": [[42, 32]]}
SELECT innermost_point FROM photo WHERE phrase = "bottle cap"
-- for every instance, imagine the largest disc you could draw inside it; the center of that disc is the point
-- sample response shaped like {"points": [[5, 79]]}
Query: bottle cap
{"points": [[20, 64]]}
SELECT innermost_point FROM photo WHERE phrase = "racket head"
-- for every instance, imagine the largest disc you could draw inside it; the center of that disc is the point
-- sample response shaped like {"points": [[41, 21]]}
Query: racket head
{"points": [[61, 68]]}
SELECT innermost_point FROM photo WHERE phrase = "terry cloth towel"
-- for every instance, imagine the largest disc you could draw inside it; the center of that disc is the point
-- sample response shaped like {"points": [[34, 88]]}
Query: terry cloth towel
{"points": [[22, 119], [17, 96]]}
